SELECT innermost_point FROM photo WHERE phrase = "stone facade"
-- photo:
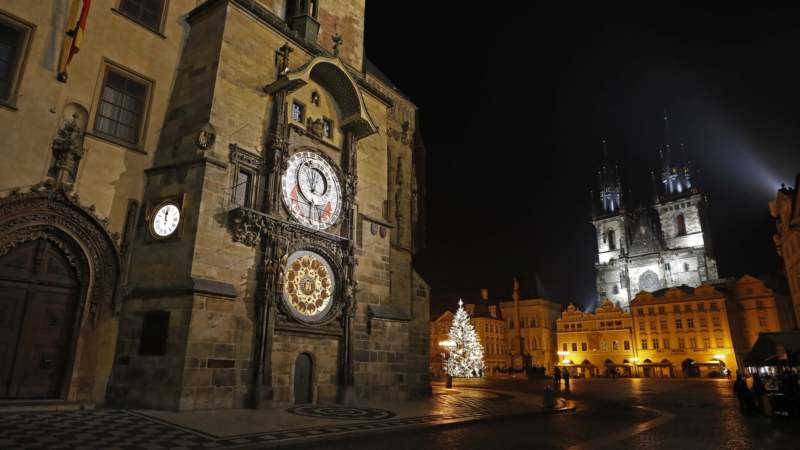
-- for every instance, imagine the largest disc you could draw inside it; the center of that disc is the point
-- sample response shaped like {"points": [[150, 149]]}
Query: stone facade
{"points": [[785, 209], [235, 89], [535, 327], [661, 245], [598, 343]]}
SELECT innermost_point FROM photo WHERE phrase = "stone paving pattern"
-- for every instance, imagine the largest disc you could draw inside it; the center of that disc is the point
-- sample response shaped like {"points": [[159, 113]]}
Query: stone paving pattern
{"points": [[129, 429]]}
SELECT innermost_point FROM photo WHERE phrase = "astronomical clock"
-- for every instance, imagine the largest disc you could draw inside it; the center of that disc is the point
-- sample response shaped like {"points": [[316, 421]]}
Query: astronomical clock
{"points": [[304, 222]]}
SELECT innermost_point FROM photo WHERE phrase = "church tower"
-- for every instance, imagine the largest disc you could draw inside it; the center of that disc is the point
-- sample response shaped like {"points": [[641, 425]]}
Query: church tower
{"points": [[609, 220], [657, 246], [681, 208]]}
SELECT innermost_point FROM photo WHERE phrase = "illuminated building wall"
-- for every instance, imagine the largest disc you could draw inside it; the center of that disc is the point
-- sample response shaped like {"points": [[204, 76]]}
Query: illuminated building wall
{"points": [[785, 209], [592, 344], [537, 320], [683, 332]]}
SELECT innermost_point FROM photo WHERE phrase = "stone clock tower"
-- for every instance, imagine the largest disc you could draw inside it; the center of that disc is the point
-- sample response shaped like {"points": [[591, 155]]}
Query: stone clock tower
{"points": [[271, 261]]}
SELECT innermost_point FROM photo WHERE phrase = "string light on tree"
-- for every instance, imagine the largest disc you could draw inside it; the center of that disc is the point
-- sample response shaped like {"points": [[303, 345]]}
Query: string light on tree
{"points": [[466, 354]]}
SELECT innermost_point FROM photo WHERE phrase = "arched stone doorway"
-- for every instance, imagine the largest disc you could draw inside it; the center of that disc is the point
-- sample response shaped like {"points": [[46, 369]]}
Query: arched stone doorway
{"points": [[39, 292], [303, 388], [59, 268]]}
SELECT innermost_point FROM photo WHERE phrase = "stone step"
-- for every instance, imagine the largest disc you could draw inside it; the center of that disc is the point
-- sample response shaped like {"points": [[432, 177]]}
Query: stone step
{"points": [[8, 406]]}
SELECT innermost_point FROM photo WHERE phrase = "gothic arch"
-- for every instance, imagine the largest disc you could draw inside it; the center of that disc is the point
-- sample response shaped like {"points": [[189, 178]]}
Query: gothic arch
{"points": [[332, 74], [50, 213]]}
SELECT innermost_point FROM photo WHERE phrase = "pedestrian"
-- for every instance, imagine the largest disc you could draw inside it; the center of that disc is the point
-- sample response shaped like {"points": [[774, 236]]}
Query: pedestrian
{"points": [[742, 394], [759, 392], [557, 377], [566, 379]]}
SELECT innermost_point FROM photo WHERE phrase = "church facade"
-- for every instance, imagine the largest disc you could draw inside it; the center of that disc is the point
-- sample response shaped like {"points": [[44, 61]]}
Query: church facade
{"points": [[219, 210], [663, 244]]}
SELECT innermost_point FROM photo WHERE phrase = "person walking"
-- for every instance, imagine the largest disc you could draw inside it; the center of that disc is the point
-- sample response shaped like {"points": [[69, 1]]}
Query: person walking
{"points": [[742, 394], [566, 379], [759, 392], [557, 378]]}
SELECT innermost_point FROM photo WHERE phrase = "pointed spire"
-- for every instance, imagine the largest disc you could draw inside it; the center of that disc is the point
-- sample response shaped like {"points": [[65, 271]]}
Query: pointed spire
{"points": [[460, 302], [605, 151], [654, 185]]}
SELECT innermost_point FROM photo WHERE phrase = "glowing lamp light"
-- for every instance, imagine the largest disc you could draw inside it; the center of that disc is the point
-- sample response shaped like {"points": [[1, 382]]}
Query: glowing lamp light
{"points": [[447, 344], [566, 361], [719, 357], [633, 360], [562, 353]]}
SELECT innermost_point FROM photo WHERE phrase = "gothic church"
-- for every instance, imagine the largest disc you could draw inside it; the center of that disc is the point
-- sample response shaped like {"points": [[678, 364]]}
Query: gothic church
{"points": [[662, 245]]}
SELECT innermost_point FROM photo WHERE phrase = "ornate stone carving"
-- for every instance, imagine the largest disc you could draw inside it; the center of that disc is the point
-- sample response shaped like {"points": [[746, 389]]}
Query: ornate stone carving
{"points": [[316, 127], [337, 43], [48, 212], [238, 155], [246, 226], [206, 138], [67, 151]]}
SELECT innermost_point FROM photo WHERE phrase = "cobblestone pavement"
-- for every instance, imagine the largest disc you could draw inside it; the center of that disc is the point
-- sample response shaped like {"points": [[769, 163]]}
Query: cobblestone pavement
{"points": [[125, 429], [619, 414]]}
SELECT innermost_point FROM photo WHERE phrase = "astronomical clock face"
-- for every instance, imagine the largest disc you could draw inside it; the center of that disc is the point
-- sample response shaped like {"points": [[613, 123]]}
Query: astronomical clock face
{"points": [[311, 190], [309, 285]]}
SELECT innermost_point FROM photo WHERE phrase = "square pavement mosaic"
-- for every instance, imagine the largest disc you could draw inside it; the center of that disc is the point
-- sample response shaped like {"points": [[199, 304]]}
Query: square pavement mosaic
{"points": [[132, 430]]}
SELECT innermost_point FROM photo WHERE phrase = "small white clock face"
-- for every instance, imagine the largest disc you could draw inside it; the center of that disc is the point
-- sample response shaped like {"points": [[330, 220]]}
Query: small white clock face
{"points": [[166, 220], [311, 190]]}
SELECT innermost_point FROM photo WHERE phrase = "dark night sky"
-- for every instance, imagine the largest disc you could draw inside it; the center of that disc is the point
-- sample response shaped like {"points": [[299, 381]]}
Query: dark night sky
{"points": [[514, 105]]}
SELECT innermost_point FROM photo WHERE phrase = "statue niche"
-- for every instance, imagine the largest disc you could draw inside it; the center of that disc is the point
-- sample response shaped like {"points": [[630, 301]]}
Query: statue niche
{"points": [[67, 146]]}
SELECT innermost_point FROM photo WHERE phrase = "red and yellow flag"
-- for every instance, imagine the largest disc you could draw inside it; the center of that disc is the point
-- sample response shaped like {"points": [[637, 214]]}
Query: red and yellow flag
{"points": [[76, 28]]}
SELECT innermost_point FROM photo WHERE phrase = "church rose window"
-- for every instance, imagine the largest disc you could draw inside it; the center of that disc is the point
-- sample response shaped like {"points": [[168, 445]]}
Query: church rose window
{"points": [[649, 281]]}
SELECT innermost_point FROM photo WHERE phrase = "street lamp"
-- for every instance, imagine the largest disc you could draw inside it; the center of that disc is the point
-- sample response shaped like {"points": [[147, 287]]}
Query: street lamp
{"points": [[633, 360], [448, 345]]}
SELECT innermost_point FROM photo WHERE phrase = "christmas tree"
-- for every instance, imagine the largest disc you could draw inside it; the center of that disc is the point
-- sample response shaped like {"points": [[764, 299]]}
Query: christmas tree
{"points": [[466, 353]]}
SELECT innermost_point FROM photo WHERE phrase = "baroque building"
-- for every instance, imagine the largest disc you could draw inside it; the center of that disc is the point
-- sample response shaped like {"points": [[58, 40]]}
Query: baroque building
{"points": [[785, 209], [531, 320], [664, 244], [596, 343], [214, 204], [673, 332]]}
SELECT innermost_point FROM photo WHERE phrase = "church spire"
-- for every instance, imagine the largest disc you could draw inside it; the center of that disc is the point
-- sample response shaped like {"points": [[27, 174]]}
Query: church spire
{"points": [[609, 184], [676, 176]]}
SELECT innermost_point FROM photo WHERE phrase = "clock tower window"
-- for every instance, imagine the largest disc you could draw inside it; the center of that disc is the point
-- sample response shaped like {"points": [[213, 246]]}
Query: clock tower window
{"points": [[242, 190], [680, 223]]}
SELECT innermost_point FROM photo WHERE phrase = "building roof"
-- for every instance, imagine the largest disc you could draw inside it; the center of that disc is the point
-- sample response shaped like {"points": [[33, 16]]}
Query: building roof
{"points": [[770, 347]]}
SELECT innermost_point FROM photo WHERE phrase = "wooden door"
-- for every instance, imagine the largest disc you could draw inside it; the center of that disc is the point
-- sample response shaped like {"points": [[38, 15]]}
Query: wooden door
{"points": [[38, 295], [302, 379]]}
